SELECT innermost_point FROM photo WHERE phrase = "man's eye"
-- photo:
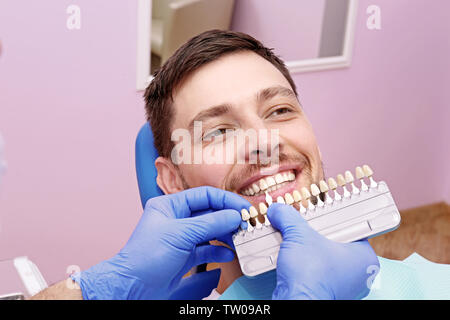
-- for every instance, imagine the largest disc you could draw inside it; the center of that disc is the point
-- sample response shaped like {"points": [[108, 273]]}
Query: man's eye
{"points": [[280, 111], [214, 133]]}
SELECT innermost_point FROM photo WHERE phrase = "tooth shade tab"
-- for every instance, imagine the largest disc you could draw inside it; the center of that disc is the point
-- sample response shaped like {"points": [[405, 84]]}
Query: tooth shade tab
{"points": [[349, 177], [332, 183], [268, 199], [297, 196], [367, 171], [359, 173], [289, 199], [245, 214], [320, 203], [262, 208], [305, 193], [340, 180], [253, 212], [323, 186], [263, 211], [315, 190], [258, 224], [280, 199]]}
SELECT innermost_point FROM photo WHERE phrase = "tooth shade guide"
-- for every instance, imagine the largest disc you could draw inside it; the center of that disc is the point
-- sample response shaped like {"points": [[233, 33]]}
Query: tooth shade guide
{"points": [[340, 180], [364, 186], [347, 193], [320, 203], [269, 199], [368, 172], [296, 195], [288, 199]]}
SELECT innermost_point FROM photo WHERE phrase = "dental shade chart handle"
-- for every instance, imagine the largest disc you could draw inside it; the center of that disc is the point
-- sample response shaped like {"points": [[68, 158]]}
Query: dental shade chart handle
{"points": [[360, 213]]}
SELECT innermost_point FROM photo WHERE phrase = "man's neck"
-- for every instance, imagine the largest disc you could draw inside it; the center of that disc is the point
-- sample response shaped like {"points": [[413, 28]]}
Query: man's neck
{"points": [[230, 271]]}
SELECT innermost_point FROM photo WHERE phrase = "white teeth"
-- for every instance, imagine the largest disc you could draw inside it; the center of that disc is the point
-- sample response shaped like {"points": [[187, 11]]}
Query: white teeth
{"points": [[269, 184], [291, 176], [279, 178], [270, 181], [263, 184]]}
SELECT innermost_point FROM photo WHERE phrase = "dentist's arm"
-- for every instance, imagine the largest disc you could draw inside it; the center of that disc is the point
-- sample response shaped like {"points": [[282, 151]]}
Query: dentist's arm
{"points": [[311, 266], [167, 242]]}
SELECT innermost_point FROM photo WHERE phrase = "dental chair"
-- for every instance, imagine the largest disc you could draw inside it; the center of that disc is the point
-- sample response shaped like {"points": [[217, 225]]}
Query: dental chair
{"points": [[198, 285]]}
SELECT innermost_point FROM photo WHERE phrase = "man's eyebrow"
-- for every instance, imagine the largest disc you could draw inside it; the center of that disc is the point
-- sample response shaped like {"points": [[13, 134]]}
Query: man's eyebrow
{"points": [[211, 112], [268, 93]]}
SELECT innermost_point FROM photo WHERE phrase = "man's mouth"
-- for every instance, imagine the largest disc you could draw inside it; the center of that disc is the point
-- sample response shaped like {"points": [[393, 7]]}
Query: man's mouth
{"points": [[277, 184]]}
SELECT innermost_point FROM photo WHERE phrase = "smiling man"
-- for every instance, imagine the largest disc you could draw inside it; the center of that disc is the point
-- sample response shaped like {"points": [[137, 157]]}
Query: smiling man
{"points": [[224, 92], [231, 83]]}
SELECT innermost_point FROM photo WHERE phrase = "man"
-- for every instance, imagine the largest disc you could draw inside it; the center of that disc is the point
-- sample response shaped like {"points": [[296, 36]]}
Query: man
{"points": [[227, 82]]}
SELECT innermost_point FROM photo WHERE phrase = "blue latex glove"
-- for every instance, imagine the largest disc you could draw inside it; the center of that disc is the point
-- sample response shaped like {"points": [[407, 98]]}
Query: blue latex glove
{"points": [[311, 266], [166, 244]]}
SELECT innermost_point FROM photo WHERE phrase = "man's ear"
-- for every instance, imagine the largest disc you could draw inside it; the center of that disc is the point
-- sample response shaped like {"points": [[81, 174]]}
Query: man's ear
{"points": [[168, 179]]}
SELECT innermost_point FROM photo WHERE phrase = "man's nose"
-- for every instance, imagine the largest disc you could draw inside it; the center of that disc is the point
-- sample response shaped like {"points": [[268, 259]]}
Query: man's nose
{"points": [[258, 145]]}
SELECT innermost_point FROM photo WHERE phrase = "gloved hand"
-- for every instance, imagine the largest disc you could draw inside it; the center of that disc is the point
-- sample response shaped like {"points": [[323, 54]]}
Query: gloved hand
{"points": [[311, 266], [166, 244]]}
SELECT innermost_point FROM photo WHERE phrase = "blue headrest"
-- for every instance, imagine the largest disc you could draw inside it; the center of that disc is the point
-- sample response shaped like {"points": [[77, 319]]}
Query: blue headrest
{"points": [[146, 155], [198, 285]]}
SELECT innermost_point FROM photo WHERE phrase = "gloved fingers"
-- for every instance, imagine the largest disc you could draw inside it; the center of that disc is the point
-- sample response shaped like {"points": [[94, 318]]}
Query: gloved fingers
{"points": [[228, 240], [211, 253], [204, 199], [289, 222], [282, 216], [209, 226], [365, 251]]}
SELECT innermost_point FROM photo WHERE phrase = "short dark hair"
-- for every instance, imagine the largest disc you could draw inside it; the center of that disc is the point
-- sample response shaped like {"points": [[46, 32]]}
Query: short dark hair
{"points": [[198, 51]]}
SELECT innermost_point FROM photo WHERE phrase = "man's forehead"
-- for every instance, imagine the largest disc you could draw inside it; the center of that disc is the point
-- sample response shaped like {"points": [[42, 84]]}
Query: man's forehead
{"points": [[232, 80]]}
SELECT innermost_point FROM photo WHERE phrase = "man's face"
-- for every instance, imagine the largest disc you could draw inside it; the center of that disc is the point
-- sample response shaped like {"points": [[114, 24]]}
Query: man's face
{"points": [[244, 91]]}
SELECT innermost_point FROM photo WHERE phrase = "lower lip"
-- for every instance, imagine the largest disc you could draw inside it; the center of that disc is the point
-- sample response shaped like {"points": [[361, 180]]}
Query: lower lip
{"points": [[287, 188]]}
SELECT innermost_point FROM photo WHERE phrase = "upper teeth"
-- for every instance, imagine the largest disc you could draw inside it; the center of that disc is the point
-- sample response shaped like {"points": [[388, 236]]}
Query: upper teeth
{"points": [[269, 183]]}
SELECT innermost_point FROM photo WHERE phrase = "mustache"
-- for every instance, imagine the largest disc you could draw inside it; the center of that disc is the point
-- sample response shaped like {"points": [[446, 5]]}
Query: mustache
{"points": [[252, 169]]}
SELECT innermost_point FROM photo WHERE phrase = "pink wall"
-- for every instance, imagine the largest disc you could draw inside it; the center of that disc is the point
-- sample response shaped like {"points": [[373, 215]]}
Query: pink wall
{"points": [[259, 18], [388, 109], [69, 113]]}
